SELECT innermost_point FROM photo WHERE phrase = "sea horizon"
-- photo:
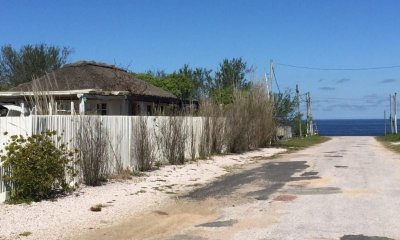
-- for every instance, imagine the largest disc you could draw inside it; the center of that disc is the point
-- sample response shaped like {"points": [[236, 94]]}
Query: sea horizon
{"points": [[352, 127]]}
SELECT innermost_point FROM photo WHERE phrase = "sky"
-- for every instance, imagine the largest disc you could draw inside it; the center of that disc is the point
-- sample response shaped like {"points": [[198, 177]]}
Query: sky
{"points": [[166, 34]]}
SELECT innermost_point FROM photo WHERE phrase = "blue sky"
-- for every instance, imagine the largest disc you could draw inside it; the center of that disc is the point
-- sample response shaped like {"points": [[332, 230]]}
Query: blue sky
{"points": [[164, 35]]}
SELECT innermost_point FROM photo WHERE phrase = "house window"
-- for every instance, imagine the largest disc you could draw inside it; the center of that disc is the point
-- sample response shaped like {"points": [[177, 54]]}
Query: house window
{"points": [[102, 109]]}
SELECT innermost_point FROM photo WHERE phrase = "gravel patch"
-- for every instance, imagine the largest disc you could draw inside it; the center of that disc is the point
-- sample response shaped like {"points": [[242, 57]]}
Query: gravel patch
{"points": [[70, 215]]}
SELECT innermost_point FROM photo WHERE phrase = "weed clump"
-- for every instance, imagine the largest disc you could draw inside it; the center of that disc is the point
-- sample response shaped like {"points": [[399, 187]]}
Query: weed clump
{"points": [[172, 138], [143, 146], [93, 143]]}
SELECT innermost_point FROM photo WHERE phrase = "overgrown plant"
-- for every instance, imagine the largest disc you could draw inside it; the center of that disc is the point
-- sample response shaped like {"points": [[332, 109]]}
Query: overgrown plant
{"points": [[217, 123], [143, 146], [41, 101], [213, 132], [38, 167], [120, 171], [250, 120], [205, 139], [246, 123], [93, 148], [192, 139], [171, 138]]}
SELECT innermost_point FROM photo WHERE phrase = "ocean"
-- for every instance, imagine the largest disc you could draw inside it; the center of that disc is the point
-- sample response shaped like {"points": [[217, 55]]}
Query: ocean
{"points": [[353, 127]]}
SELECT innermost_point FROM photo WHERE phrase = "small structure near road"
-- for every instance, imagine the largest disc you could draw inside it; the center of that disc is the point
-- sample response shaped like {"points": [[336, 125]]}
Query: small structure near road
{"points": [[284, 132]]}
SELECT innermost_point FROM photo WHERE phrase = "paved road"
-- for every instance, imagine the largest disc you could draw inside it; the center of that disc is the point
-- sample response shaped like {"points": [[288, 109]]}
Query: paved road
{"points": [[347, 188]]}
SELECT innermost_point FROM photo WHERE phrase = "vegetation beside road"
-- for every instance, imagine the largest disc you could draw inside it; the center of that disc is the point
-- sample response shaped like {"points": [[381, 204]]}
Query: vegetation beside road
{"points": [[388, 141], [298, 143]]}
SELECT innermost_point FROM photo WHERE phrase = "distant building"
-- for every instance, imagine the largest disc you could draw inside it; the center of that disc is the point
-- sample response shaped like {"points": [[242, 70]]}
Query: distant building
{"points": [[90, 88], [284, 132]]}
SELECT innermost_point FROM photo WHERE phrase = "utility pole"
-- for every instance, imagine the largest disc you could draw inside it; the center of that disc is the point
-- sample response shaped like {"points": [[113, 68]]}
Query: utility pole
{"points": [[395, 112], [310, 127], [267, 84], [270, 80], [390, 114], [298, 108], [384, 119]]}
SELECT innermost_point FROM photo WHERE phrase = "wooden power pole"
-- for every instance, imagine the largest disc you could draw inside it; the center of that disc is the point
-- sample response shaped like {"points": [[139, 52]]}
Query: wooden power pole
{"points": [[298, 109], [384, 120], [395, 112], [390, 114], [271, 75], [310, 126]]}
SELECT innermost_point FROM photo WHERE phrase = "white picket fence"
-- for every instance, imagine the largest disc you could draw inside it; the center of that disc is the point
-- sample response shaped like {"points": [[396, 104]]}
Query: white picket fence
{"points": [[119, 129]]}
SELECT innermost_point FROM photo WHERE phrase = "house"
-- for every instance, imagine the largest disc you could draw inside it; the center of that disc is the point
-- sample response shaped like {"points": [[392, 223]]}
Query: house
{"points": [[88, 87]]}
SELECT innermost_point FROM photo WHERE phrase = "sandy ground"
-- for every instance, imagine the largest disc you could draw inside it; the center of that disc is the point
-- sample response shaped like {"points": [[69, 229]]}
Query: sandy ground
{"points": [[70, 216], [347, 188]]}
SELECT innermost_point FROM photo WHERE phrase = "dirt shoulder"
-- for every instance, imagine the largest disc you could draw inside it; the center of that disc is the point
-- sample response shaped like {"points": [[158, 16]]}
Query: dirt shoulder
{"points": [[66, 217]]}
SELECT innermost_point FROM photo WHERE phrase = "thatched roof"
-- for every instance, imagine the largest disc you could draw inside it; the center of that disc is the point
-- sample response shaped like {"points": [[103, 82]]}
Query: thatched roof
{"points": [[92, 75]]}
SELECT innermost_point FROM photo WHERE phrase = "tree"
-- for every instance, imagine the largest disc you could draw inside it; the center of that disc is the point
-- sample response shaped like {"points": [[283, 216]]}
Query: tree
{"points": [[230, 77], [29, 62], [178, 84], [232, 74], [284, 107], [201, 79], [196, 83], [175, 83]]}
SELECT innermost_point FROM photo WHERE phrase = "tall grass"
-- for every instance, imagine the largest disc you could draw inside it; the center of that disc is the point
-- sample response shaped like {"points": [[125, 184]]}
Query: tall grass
{"points": [[143, 146], [41, 101], [171, 139], [245, 124], [92, 143]]}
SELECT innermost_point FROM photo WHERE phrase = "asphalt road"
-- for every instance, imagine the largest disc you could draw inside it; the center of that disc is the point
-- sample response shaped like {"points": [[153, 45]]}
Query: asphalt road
{"points": [[347, 188]]}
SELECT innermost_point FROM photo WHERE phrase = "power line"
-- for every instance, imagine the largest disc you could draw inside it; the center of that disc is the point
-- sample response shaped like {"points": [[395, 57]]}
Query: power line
{"points": [[337, 69]]}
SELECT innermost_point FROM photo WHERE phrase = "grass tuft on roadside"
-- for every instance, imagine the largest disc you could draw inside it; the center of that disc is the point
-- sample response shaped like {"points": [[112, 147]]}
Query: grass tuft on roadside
{"points": [[390, 141], [294, 144]]}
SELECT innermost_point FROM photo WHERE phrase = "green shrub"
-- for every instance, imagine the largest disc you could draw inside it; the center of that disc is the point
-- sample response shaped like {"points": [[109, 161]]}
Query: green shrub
{"points": [[38, 167]]}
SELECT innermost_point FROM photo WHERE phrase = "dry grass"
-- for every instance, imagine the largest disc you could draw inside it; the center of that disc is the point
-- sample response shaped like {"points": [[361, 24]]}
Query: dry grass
{"points": [[245, 124], [41, 102], [172, 137], [143, 146], [94, 159]]}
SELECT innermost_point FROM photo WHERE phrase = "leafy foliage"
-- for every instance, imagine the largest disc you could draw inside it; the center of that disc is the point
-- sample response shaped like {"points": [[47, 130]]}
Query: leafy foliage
{"points": [[196, 83], [37, 167], [201, 79], [231, 74], [284, 107], [29, 62], [178, 84]]}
